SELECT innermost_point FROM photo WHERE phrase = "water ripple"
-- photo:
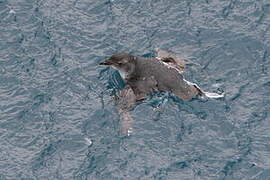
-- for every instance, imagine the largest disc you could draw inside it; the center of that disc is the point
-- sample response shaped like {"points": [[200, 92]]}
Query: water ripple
{"points": [[53, 94]]}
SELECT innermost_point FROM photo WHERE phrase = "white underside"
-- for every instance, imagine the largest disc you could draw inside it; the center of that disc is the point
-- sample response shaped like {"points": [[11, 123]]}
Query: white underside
{"points": [[123, 74]]}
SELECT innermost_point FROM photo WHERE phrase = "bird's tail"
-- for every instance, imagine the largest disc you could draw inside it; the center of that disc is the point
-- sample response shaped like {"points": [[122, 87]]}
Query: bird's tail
{"points": [[203, 93]]}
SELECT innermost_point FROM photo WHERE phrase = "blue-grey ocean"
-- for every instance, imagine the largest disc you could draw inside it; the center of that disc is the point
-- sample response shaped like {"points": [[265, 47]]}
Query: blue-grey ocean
{"points": [[58, 118]]}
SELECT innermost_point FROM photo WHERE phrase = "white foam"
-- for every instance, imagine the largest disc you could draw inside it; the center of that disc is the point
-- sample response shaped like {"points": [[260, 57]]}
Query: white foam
{"points": [[129, 131], [88, 141], [213, 95], [11, 11]]}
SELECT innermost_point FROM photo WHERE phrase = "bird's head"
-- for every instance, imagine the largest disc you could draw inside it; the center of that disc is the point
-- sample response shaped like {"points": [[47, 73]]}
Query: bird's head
{"points": [[123, 62]]}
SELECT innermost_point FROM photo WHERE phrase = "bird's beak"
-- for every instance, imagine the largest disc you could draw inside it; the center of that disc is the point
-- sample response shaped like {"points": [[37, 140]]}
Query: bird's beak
{"points": [[107, 62]]}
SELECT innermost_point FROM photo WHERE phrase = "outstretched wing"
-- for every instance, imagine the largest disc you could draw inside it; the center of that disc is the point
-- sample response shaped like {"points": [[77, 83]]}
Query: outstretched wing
{"points": [[135, 90], [125, 99]]}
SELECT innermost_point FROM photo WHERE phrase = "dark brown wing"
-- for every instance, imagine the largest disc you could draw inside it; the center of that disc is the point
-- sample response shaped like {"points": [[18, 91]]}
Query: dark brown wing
{"points": [[125, 99], [135, 90], [188, 93], [142, 87]]}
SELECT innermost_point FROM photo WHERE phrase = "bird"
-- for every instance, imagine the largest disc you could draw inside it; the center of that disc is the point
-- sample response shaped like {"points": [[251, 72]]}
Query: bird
{"points": [[144, 76]]}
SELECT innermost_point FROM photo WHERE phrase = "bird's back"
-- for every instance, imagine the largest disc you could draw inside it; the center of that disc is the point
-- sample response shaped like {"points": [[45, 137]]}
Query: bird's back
{"points": [[168, 78]]}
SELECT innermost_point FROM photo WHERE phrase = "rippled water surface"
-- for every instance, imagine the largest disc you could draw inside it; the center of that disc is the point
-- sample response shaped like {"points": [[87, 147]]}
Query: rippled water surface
{"points": [[55, 100]]}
